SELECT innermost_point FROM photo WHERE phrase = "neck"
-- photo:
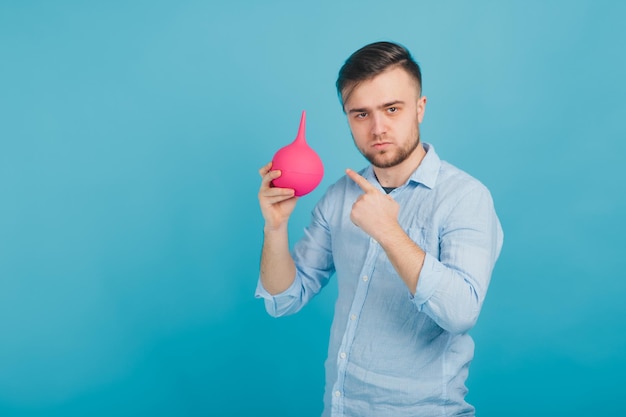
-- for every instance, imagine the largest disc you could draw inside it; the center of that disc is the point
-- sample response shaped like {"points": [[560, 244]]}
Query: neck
{"points": [[397, 175]]}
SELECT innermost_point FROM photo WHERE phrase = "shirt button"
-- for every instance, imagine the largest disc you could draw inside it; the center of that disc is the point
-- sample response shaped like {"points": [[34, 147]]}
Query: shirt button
{"points": [[337, 394], [343, 355], [353, 317], [365, 278]]}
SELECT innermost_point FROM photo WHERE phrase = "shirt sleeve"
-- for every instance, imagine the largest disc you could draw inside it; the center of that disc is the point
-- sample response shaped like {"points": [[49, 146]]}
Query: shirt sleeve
{"points": [[312, 256], [451, 288]]}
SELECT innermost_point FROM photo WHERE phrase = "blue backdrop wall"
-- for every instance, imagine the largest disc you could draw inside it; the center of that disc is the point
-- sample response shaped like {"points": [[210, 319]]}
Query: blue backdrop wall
{"points": [[130, 138]]}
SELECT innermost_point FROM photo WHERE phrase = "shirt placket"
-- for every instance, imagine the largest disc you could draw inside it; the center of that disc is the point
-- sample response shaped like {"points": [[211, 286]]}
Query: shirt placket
{"points": [[354, 314]]}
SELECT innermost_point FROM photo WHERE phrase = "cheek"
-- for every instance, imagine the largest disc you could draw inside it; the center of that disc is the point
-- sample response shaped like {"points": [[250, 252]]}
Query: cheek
{"points": [[359, 132], [412, 123]]}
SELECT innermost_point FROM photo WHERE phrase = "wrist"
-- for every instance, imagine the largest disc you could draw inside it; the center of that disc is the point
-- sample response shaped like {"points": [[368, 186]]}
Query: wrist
{"points": [[269, 229], [389, 235]]}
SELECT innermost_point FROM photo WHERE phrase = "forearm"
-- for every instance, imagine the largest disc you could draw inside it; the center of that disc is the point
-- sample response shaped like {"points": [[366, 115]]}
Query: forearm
{"points": [[405, 255], [278, 270]]}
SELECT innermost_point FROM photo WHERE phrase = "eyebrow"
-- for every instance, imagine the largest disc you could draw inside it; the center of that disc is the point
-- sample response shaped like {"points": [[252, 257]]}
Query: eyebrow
{"points": [[364, 109]]}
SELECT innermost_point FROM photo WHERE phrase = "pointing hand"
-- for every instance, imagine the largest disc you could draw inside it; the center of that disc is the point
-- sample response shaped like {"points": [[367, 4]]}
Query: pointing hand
{"points": [[374, 212]]}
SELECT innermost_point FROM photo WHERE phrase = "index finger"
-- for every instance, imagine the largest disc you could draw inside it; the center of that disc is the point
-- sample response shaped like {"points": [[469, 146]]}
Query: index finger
{"points": [[360, 181]]}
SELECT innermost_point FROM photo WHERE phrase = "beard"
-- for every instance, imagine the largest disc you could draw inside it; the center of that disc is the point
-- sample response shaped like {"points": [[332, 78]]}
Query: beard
{"points": [[388, 158]]}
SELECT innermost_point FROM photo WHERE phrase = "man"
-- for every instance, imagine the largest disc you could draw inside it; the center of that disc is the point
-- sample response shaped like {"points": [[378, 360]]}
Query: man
{"points": [[412, 240]]}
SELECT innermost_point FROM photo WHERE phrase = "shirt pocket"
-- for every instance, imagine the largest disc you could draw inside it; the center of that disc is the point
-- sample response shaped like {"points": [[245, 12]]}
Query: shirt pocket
{"points": [[417, 235], [426, 239]]}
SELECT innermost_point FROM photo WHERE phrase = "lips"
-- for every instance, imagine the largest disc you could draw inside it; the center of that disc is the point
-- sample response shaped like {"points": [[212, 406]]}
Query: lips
{"points": [[381, 145]]}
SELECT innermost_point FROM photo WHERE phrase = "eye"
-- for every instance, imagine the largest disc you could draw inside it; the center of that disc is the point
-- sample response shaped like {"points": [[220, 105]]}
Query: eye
{"points": [[361, 115], [392, 109]]}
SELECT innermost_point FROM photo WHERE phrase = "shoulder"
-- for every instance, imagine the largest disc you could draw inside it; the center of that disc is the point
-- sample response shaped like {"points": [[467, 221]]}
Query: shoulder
{"points": [[450, 174], [458, 185]]}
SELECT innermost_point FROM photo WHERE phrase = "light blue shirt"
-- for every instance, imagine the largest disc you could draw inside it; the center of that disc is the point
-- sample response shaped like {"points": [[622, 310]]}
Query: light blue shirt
{"points": [[392, 353]]}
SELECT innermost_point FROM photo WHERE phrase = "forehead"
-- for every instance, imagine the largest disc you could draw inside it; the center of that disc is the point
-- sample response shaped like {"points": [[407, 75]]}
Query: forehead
{"points": [[391, 85]]}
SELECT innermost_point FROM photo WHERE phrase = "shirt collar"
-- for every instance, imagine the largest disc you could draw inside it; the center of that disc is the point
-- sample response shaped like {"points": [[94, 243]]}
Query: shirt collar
{"points": [[428, 170], [425, 174]]}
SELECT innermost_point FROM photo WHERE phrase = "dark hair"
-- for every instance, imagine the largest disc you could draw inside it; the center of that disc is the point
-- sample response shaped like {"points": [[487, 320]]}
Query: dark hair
{"points": [[371, 60]]}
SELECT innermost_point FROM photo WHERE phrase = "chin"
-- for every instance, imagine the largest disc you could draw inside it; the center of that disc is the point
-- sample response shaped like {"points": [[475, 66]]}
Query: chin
{"points": [[384, 160]]}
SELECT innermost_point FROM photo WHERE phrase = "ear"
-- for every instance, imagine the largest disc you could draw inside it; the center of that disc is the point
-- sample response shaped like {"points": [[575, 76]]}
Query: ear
{"points": [[421, 108]]}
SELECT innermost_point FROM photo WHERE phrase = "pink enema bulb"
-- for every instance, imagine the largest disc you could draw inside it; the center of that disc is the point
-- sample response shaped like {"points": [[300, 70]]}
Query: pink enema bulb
{"points": [[301, 168]]}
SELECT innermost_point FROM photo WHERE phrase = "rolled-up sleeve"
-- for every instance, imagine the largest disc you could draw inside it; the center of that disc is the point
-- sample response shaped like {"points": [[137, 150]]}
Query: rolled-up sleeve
{"points": [[279, 304], [451, 288]]}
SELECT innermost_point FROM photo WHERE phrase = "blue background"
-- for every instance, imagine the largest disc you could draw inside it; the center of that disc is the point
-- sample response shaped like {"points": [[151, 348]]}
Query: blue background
{"points": [[130, 138]]}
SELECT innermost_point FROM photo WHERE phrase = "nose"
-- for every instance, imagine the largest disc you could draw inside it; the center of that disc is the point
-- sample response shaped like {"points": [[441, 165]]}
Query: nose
{"points": [[378, 124]]}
